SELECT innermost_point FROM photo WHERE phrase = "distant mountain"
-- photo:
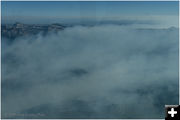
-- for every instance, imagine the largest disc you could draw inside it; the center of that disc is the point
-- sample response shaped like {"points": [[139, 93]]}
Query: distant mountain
{"points": [[13, 31]]}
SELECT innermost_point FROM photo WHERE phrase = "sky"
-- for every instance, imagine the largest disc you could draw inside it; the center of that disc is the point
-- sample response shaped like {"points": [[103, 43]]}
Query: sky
{"points": [[37, 11]]}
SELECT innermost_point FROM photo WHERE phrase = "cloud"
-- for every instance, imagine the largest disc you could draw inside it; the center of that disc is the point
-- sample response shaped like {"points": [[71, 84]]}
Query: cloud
{"points": [[105, 71]]}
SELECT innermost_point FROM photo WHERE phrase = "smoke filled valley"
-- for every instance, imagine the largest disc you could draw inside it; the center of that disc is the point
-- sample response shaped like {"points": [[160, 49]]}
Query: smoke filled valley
{"points": [[79, 71]]}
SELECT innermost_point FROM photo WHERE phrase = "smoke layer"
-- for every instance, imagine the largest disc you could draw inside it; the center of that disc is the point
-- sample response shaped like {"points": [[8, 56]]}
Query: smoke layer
{"points": [[105, 71]]}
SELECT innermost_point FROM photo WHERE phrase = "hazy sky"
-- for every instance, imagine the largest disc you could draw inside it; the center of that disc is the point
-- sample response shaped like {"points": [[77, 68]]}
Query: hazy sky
{"points": [[55, 10]]}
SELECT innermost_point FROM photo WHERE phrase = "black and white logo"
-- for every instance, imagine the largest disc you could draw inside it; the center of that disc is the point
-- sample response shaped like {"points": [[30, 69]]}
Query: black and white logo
{"points": [[172, 112]]}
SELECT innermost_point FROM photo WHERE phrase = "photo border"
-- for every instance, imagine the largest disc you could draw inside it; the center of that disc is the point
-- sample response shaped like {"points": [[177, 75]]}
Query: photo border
{"points": [[89, 0]]}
